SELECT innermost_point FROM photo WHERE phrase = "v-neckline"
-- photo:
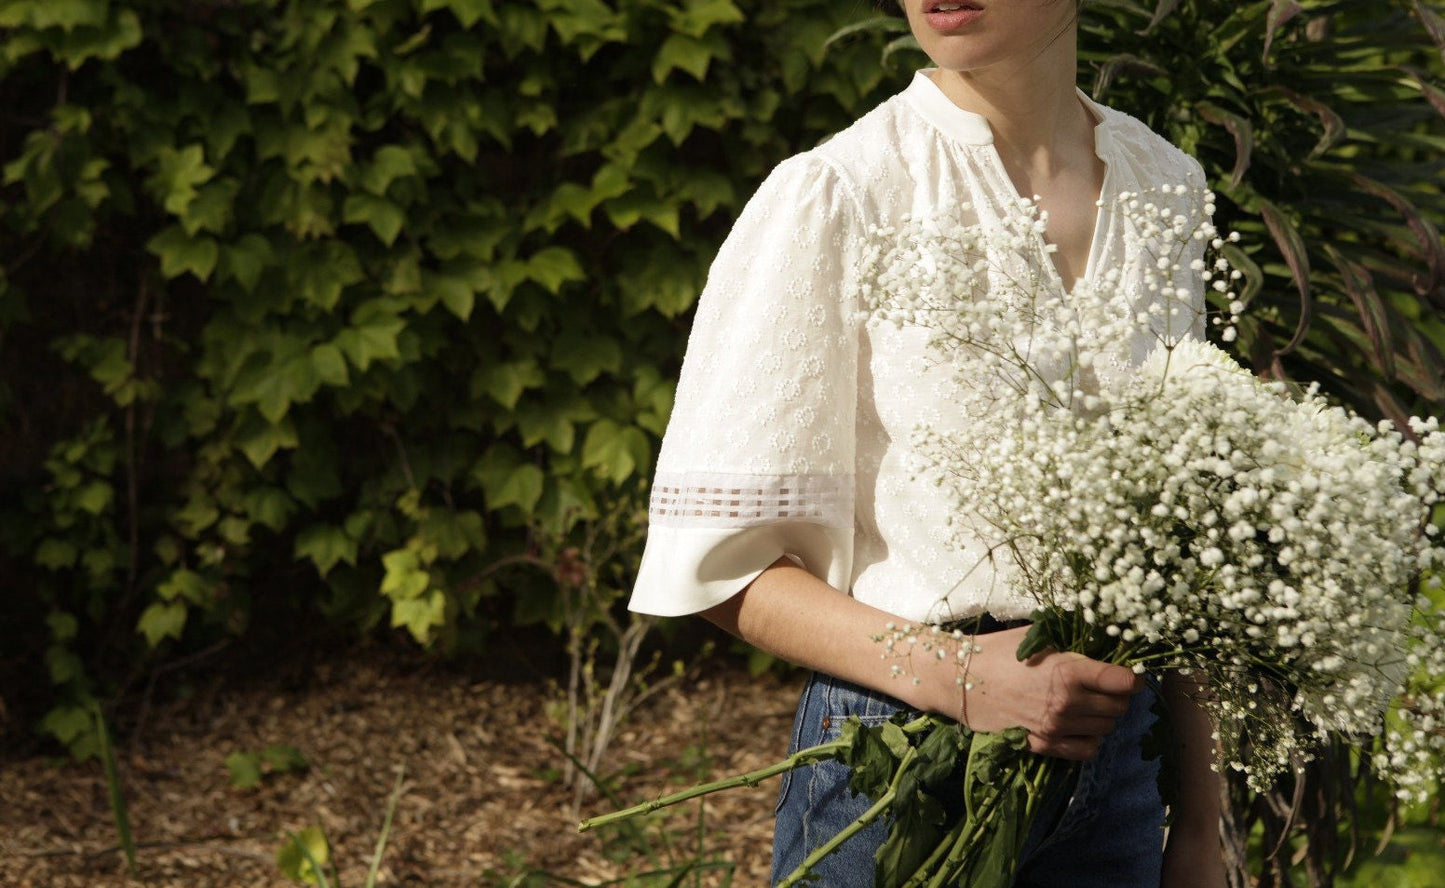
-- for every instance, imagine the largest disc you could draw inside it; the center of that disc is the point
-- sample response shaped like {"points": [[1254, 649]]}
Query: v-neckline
{"points": [[1096, 236], [973, 129]]}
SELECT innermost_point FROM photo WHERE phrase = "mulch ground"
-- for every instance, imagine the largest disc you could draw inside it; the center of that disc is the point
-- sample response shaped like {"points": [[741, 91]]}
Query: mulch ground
{"points": [[481, 805]]}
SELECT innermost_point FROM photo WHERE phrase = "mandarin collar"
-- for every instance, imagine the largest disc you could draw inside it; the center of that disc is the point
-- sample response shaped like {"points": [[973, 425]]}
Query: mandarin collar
{"points": [[970, 128]]}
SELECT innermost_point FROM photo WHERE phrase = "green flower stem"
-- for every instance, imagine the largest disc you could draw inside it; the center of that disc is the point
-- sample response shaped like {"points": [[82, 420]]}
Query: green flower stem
{"points": [[942, 852], [956, 847], [811, 755], [884, 802], [956, 862]]}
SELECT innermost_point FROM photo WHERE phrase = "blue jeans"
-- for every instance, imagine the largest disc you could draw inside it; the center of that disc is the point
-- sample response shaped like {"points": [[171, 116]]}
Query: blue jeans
{"points": [[1102, 828]]}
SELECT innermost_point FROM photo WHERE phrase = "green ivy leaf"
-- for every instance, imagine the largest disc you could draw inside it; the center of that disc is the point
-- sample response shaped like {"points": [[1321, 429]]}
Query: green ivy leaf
{"points": [[56, 554], [406, 578], [391, 162], [162, 620], [268, 506], [185, 585], [181, 253], [521, 487], [244, 260], [321, 273], [283, 758], [554, 266], [64, 14], [290, 378], [590, 22], [95, 497], [468, 12], [615, 451], [454, 292], [539, 421], [260, 439], [688, 53], [68, 723], [506, 382], [199, 513], [245, 769], [62, 664], [454, 534], [373, 341], [585, 357], [383, 217], [329, 365], [178, 174], [212, 208], [421, 616], [326, 545], [696, 17], [63, 626], [637, 206]]}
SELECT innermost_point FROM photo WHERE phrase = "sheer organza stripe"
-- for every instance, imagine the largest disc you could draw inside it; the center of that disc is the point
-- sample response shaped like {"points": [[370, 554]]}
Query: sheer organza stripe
{"points": [[723, 500]]}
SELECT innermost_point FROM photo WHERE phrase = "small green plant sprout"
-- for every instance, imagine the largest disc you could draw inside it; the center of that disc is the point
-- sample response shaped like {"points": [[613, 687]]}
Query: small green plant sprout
{"points": [[249, 768], [115, 791], [307, 857]]}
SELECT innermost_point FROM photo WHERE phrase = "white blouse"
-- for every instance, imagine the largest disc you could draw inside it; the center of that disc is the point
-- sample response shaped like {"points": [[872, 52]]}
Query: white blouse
{"points": [[791, 433]]}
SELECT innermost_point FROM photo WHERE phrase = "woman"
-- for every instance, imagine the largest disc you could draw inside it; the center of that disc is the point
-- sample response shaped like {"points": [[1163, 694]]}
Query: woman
{"points": [[784, 507]]}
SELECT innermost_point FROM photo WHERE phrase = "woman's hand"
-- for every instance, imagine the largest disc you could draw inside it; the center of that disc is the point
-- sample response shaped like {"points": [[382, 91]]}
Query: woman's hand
{"points": [[1067, 701]]}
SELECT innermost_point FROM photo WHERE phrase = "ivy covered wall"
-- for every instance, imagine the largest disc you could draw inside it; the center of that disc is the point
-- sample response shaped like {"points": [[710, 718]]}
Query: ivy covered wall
{"points": [[342, 309], [325, 308]]}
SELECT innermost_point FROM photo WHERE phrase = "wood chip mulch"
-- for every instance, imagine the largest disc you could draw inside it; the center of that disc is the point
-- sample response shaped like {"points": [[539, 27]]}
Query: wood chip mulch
{"points": [[481, 804]]}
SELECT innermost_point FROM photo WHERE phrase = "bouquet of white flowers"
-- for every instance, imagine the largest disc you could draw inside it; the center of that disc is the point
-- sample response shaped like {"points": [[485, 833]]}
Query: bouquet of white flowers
{"points": [[1163, 509]]}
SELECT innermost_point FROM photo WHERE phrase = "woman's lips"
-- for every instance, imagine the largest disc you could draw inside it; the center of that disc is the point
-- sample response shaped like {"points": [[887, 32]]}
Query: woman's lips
{"points": [[945, 17]]}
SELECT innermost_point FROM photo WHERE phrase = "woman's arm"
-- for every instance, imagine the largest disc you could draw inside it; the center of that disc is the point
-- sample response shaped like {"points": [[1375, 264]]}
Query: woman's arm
{"points": [[1067, 701], [1193, 857]]}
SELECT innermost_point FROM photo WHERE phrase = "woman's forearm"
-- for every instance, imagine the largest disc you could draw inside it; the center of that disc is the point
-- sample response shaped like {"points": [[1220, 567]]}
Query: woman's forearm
{"points": [[1066, 701], [1199, 805], [792, 614]]}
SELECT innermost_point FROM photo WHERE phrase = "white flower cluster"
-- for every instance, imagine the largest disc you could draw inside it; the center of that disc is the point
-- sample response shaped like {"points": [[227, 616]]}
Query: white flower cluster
{"points": [[985, 289], [1183, 512]]}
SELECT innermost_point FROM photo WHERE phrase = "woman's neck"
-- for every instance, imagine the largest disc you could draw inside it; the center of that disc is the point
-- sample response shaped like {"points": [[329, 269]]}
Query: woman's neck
{"points": [[1032, 107]]}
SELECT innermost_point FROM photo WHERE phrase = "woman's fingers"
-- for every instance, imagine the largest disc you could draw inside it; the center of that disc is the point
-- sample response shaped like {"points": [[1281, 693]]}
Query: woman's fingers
{"points": [[1087, 701], [1074, 749], [1106, 678], [1068, 702]]}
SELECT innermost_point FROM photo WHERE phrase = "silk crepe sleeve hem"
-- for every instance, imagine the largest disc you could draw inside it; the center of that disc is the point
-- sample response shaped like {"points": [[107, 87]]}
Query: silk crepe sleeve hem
{"points": [[758, 460]]}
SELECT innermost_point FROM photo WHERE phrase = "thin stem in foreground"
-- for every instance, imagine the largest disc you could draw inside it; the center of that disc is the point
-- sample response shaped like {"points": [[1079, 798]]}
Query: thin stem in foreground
{"points": [[811, 755]]}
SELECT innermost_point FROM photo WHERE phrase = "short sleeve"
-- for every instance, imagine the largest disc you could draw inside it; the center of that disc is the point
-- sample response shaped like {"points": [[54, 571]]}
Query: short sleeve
{"points": [[758, 458]]}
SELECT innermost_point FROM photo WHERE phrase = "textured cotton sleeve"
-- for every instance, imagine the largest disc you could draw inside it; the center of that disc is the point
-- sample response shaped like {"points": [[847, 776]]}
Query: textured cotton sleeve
{"points": [[758, 458]]}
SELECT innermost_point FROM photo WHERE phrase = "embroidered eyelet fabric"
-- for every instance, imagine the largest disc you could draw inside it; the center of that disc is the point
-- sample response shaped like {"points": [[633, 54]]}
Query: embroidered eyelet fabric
{"points": [[791, 429]]}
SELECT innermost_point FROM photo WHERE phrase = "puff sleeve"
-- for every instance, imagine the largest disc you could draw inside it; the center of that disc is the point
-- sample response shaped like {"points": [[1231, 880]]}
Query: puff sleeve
{"points": [[758, 458]]}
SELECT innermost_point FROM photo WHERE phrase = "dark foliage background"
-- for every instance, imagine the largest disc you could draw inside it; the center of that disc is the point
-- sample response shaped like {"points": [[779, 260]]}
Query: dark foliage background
{"points": [[323, 316]]}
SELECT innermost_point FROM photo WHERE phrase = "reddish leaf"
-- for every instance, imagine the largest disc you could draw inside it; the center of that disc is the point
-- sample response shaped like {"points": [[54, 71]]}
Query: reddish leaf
{"points": [[1287, 237], [1427, 236], [1240, 128], [1373, 319], [1330, 120], [1434, 24], [1125, 63], [1433, 94], [1280, 12], [1161, 12]]}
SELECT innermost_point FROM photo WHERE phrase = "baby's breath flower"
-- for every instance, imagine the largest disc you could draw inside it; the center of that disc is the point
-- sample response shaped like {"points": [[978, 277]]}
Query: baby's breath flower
{"points": [[1197, 516]]}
